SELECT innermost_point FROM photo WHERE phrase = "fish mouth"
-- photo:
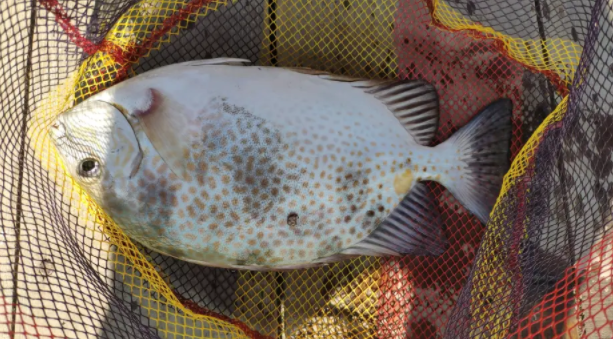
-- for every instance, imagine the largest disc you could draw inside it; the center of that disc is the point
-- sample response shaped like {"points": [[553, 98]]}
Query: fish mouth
{"points": [[59, 135], [57, 131]]}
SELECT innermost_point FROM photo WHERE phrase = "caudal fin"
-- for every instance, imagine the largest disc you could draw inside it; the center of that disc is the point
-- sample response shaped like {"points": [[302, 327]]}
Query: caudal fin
{"points": [[484, 146]]}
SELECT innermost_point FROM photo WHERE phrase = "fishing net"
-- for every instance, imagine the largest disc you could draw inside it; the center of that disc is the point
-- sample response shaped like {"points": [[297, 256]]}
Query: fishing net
{"points": [[540, 268]]}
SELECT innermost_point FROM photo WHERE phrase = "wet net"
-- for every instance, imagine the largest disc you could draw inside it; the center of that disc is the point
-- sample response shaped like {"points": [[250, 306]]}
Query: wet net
{"points": [[541, 268]]}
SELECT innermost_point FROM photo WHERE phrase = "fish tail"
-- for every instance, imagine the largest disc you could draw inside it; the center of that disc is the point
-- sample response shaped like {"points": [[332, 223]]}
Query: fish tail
{"points": [[484, 147]]}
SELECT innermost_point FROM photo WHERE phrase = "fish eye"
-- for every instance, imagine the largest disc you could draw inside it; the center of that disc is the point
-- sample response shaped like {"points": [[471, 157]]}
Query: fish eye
{"points": [[89, 168]]}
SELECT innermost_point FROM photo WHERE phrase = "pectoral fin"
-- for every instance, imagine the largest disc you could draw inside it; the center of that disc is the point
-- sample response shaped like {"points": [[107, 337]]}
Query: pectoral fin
{"points": [[164, 127]]}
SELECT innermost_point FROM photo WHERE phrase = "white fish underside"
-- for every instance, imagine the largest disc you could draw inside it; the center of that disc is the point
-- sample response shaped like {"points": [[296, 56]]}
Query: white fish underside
{"points": [[257, 167]]}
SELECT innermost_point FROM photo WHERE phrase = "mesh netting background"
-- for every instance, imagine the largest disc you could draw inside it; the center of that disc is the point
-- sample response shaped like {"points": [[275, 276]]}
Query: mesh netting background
{"points": [[541, 267]]}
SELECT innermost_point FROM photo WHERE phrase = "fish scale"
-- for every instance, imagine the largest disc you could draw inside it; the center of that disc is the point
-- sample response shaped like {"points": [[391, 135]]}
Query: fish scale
{"points": [[272, 168]]}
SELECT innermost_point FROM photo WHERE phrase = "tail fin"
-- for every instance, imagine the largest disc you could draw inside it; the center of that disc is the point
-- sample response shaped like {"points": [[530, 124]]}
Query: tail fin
{"points": [[484, 146]]}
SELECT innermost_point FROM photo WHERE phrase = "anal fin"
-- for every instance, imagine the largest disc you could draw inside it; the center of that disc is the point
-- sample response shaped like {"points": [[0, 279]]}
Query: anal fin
{"points": [[414, 227]]}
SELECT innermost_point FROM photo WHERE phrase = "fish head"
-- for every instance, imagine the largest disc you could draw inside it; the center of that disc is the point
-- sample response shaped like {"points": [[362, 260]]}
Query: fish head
{"points": [[98, 147]]}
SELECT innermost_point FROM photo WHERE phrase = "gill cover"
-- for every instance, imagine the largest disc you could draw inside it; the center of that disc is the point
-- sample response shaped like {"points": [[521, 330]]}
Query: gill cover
{"points": [[95, 129]]}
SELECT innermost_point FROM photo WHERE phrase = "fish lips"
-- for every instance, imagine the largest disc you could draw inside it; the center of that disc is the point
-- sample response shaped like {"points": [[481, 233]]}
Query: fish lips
{"points": [[57, 130]]}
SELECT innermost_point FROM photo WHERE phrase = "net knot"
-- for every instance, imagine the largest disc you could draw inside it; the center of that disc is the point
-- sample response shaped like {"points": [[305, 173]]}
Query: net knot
{"points": [[62, 18]]}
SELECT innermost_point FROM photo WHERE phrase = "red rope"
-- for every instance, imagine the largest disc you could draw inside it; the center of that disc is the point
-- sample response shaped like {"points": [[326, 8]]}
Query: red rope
{"points": [[123, 57], [75, 36]]}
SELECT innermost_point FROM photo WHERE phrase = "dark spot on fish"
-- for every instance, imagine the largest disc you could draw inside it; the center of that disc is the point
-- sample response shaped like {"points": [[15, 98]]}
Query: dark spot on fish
{"points": [[370, 213], [347, 218], [292, 219], [381, 208]]}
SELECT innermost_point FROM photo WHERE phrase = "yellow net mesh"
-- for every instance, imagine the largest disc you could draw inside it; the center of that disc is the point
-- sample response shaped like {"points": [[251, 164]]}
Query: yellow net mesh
{"points": [[493, 260]]}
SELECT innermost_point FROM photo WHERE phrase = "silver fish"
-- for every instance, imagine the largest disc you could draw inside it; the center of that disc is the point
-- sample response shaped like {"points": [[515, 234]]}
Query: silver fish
{"points": [[268, 168]]}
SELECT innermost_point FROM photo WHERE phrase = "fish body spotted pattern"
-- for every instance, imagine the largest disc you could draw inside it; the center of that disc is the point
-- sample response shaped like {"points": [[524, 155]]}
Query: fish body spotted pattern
{"points": [[271, 168]]}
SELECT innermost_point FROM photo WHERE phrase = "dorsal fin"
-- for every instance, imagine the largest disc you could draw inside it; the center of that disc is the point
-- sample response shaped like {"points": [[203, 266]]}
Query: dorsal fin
{"points": [[413, 102], [219, 61], [414, 227]]}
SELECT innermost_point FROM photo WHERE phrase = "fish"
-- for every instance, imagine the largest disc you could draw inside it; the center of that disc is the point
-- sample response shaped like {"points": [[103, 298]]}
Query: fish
{"points": [[227, 164]]}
